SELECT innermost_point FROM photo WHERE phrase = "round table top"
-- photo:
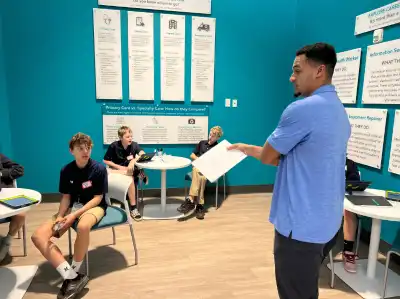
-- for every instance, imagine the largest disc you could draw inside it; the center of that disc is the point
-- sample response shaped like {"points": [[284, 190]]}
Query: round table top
{"points": [[6, 212], [165, 162], [383, 213]]}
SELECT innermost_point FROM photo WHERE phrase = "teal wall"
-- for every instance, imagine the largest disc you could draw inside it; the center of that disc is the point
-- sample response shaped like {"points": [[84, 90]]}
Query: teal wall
{"points": [[51, 81], [5, 139], [330, 22]]}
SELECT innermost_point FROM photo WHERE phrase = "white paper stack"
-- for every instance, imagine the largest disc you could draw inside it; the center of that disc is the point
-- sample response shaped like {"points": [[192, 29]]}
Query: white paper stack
{"points": [[218, 161]]}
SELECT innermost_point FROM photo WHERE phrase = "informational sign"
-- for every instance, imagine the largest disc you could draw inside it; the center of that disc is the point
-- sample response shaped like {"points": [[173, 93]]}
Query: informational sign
{"points": [[394, 162], [172, 57], [378, 18], [141, 55], [367, 135], [382, 74], [203, 53], [345, 77], [107, 50], [156, 124], [192, 6]]}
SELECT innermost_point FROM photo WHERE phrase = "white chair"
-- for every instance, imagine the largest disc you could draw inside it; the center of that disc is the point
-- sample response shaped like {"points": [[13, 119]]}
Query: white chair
{"points": [[117, 189]]}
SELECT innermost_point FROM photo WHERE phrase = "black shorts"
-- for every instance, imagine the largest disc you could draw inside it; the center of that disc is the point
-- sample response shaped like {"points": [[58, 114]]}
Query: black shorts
{"points": [[297, 266]]}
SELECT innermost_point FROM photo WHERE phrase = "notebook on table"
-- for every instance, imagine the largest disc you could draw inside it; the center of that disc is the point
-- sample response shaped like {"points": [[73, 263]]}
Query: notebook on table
{"points": [[18, 201], [369, 200]]}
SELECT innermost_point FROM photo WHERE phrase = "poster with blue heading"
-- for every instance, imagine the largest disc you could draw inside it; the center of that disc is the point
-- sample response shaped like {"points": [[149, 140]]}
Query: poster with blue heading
{"points": [[382, 74], [156, 124]]}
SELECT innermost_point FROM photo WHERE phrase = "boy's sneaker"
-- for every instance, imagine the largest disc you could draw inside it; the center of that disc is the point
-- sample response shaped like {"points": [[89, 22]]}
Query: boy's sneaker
{"points": [[75, 286], [200, 212], [186, 207], [4, 247], [349, 261], [136, 215]]}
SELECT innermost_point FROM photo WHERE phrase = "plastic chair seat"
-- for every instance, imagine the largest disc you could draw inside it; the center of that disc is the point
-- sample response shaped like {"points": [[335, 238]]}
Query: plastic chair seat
{"points": [[114, 216]]}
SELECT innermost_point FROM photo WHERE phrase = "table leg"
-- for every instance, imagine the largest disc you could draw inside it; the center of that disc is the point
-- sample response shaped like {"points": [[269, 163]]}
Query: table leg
{"points": [[373, 247], [163, 190]]}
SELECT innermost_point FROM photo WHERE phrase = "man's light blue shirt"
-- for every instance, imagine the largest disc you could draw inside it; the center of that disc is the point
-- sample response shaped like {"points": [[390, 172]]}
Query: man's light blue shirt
{"points": [[309, 188]]}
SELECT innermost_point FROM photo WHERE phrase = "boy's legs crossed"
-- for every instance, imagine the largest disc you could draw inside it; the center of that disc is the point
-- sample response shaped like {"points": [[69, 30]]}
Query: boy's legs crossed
{"points": [[194, 191]]}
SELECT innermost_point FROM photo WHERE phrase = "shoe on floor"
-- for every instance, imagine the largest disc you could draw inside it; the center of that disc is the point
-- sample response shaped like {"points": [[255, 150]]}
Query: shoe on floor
{"points": [[136, 215], [63, 288], [349, 261], [187, 206], [200, 212], [75, 286], [4, 247]]}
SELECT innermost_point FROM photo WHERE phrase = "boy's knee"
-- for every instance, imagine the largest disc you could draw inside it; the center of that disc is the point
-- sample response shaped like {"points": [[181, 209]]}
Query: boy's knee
{"points": [[37, 238], [83, 228]]}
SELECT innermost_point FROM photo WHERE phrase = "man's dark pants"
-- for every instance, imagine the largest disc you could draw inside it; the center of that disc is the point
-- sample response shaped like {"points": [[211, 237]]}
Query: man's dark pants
{"points": [[297, 266]]}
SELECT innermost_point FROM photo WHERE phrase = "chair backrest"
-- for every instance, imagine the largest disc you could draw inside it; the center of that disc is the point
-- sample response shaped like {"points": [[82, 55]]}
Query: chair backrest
{"points": [[118, 185]]}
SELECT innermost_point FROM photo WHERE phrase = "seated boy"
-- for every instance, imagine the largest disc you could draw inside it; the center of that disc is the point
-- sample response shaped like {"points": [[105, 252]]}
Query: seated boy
{"points": [[10, 171], [198, 179], [121, 156], [83, 185], [350, 223]]}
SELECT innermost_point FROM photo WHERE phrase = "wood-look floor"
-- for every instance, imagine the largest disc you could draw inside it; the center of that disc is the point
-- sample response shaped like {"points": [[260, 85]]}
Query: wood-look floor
{"points": [[227, 255]]}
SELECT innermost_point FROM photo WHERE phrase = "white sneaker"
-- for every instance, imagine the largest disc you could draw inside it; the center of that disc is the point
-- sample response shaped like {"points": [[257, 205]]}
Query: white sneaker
{"points": [[136, 215]]}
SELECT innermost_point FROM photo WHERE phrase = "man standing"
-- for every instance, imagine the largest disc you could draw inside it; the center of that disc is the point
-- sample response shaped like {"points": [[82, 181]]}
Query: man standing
{"points": [[83, 185], [10, 171], [309, 147]]}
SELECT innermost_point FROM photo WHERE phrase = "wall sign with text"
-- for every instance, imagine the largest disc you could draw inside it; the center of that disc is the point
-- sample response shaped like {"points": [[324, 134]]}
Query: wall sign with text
{"points": [[193, 6], [394, 162], [382, 74], [367, 135], [156, 124], [378, 18], [345, 77]]}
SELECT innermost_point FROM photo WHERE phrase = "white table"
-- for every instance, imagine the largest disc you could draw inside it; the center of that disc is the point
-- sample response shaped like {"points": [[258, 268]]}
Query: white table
{"points": [[368, 281], [6, 212], [164, 163]]}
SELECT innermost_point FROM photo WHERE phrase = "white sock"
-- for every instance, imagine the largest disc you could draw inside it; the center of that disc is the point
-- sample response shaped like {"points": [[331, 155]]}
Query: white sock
{"points": [[66, 271], [76, 265]]}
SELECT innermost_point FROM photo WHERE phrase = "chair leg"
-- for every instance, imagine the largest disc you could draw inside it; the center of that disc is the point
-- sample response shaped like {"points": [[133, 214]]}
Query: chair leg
{"points": [[19, 234], [113, 231], [386, 274], [134, 243], [216, 196], [24, 239], [70, 243], [87, 263], [358, 235], [332, 269], [224, 189]]}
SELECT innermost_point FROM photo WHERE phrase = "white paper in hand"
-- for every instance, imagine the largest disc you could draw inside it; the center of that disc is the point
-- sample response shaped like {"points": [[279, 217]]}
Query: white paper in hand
{"points": [[218, 161]]}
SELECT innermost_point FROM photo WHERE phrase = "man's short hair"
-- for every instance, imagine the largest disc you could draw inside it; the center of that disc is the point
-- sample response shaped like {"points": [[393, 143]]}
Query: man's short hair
{"points": [[321, 53], [122, 131], [80, 139], [217, 130]]}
